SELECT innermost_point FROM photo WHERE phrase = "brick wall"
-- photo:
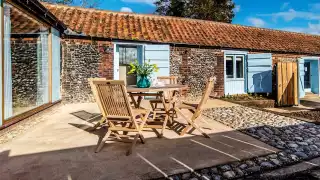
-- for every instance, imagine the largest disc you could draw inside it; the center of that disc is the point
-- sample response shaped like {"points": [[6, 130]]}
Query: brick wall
{"points": [[194, 66], [82, 59]]}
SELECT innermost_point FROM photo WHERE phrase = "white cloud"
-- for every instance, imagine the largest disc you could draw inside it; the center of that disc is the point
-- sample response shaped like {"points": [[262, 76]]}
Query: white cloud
{"points": [[149, 2], [292, 14], [311, 29], [257, 22], [237, 8], [285, 5], [126, 9]]}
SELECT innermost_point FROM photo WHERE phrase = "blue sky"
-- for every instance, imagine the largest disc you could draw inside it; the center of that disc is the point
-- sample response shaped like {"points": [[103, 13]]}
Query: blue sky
{"points": [[294, 15]]}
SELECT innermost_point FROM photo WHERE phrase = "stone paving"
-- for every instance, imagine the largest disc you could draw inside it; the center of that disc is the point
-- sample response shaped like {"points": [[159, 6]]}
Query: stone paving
{"points": [[297, 140]]}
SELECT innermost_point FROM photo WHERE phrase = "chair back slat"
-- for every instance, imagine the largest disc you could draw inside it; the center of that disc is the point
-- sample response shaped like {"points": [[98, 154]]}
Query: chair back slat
{"points": [[168, 79], [207, 91], [113, 98]]}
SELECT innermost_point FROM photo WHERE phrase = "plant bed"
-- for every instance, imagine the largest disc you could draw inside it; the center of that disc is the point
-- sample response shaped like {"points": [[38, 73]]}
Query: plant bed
{"points": [[257, 100], [313, 115]]}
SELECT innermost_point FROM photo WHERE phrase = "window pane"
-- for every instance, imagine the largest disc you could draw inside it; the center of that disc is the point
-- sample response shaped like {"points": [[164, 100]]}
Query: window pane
{"points": [[26, 62], [229, 66], [127, 54], [239, 66]]}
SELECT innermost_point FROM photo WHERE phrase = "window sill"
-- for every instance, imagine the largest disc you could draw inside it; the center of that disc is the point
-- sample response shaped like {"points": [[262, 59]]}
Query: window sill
{"points": [[234, 79]]}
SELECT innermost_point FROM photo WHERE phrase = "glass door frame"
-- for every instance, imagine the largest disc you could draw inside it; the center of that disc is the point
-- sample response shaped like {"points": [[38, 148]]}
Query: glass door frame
{"points": [[24, 115], [309, 67]]}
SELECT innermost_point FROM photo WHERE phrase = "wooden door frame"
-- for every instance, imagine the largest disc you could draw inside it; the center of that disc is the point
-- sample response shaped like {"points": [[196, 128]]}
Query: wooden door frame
{"points": [[234, 54]]}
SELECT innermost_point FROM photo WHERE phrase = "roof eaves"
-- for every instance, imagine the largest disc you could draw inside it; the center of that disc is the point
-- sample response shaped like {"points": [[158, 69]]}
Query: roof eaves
{"points": [[37, 9]]}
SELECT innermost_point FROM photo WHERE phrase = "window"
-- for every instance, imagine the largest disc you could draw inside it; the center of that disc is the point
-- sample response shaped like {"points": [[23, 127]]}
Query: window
{"points": [[128, 54], [229, 66], [239, 66], [234, 66], [26, 74]]}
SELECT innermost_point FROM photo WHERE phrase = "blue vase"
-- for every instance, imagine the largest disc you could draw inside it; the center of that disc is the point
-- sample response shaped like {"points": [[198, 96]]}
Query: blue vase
{"points": [[143, 82]]}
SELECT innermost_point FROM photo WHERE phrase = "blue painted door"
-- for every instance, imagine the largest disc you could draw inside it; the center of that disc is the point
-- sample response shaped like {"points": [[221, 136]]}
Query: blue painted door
{"points": [[302, 93], [259, 77], [160, 55], [314, 76]]}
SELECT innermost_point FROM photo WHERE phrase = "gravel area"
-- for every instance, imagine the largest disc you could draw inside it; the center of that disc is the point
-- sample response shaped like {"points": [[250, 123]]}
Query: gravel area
{"points": [[296, 139]]}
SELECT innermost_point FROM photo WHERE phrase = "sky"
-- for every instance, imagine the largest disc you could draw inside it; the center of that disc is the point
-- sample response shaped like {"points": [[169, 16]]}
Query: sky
{"points": [[295, 15]]}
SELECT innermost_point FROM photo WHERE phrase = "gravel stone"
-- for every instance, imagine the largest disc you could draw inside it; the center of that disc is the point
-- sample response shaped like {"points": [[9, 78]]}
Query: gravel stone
{"points": [[293, 145], [239, 172], [243, 166], [229, 174], [225, 168], [216, 177], [276, 162], [250, 163], [266, 165], [303, 143], [253, 169], [214, 170], [301, 155]]}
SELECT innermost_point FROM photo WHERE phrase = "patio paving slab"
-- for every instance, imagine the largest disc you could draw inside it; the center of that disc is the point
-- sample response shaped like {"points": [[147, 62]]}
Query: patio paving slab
{"points": [[61, 148]]}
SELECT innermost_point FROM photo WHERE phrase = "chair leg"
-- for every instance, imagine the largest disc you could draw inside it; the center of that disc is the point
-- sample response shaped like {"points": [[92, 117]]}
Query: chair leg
{"points": [[191, 124], [101, 144], [133, 144], [164, 125], [152, 106], [185, 130], [142, 139], [200, 130]]}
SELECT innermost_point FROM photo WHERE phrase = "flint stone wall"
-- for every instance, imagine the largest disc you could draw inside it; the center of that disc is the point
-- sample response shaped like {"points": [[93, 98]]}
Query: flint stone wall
{"points": [[195, 66], [24, 72], [83, 59]]}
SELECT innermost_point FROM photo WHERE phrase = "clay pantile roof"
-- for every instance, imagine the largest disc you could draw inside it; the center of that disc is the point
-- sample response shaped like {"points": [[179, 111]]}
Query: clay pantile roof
{"points": [[173, 30], [22, 23]]}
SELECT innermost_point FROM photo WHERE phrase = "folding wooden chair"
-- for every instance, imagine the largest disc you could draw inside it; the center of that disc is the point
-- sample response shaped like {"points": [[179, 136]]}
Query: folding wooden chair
{"points": [[113, 102], [167, 95], [196, 109]]}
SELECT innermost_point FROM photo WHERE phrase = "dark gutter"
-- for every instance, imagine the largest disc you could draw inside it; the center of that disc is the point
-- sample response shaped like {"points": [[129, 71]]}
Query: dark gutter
{"points": [[38, 10], [81, 36]]}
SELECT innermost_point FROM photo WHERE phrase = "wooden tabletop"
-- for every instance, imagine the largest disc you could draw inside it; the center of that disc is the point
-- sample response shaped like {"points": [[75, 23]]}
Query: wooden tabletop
{"points": [[167, 87]]}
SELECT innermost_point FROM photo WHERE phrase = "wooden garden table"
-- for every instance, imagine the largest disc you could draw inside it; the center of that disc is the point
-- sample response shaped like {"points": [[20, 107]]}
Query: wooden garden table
{"points": [[152, 91], [158, 92]]}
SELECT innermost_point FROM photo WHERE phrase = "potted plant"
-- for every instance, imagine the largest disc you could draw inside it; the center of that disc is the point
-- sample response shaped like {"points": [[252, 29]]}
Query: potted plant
{"points": [[143, 73]]}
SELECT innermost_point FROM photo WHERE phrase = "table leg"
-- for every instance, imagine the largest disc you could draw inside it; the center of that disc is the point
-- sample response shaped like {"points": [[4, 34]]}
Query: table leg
{"points": [[133, 100], [139, 101]]}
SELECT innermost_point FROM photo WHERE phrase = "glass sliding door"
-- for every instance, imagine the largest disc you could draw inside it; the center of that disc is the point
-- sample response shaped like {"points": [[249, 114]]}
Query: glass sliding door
{"points": [[26, 75]]}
